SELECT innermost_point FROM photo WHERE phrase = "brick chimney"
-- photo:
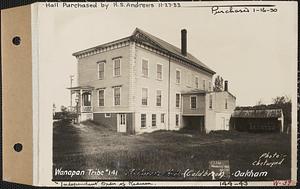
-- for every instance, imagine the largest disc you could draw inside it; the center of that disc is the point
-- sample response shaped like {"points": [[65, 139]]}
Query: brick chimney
{"points": [[183, 42], [226, 86]]}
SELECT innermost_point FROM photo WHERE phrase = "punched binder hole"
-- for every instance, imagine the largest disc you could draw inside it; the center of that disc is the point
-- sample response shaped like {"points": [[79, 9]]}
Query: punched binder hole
{"points": [[18, 147], [16, 40]]}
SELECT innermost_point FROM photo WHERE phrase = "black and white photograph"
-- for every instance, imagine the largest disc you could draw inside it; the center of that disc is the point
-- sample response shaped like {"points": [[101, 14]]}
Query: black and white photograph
{"points": [[168, 93]]}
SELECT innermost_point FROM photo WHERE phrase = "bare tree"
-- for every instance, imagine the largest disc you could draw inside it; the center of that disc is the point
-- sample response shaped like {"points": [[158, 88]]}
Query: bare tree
{"points": [[218, 84]]}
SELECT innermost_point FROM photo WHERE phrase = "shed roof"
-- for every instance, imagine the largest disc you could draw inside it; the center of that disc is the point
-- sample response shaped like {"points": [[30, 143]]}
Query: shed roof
{"points": [[195, 91], [267, 113]]}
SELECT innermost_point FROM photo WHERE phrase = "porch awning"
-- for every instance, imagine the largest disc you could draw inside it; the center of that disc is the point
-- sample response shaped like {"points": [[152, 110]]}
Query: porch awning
{"points": [[86, 87]]}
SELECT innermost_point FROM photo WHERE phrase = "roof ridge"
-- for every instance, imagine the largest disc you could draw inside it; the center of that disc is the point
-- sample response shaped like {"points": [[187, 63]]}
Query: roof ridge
{"points": [[173, 49]]}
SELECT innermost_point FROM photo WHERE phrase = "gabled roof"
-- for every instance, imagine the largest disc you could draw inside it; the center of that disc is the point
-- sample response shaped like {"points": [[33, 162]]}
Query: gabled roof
{"points": [[223, 92], [173, 49], [267, 113], [157, 42]]}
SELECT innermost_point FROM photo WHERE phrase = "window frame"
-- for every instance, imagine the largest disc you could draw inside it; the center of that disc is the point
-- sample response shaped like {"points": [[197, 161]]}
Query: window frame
{"points": [[107, 116], [146, 98], [177, 123], [209, 86], [99, 97], [144, 121], [153, 121], [210, 102], [162, 118], [98, 65], [179, 71], [114, 101], [196, 82], [193, 96], [147, 67], [114, 67], [179, 100], [157, 98], [159, 64]]}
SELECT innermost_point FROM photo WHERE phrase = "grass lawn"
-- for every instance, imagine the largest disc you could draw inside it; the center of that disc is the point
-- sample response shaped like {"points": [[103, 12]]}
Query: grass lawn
{"points": [[91, 146]]}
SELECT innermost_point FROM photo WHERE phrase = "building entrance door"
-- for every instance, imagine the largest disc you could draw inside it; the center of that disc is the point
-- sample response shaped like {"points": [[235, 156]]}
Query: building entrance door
{"points": [[122, 123]]}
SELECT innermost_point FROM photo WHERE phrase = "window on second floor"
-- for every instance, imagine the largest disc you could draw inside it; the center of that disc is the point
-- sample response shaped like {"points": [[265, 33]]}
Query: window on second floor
{"points": [[101, 97], [193, 102], [117, 96], [178, 77], [159, 72], [204, 84], [177, 100], [101, 70], [226, 104], [209, 86], [145, 67], [117, 67], [158, 98], [144, 96], [196, 82], [210, 102]]}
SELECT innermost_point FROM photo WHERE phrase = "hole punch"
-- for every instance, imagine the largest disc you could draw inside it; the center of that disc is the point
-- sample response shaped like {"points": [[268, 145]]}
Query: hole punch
{"points": [[18, 147], [16, 40]]}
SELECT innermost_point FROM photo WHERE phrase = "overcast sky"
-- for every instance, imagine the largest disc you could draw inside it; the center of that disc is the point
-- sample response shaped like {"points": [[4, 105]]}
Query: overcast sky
{"points": [[255, 52]]}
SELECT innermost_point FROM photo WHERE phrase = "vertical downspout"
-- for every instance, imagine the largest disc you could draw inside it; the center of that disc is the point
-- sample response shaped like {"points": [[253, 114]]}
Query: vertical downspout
{"points": [[169, 83]]}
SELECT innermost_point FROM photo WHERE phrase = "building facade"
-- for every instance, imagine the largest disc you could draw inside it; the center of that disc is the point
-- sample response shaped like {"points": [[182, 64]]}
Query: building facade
{"points": [[141, 84]]}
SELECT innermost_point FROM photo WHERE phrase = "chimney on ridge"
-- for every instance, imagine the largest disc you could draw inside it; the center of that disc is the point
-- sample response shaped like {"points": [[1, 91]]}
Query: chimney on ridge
{"points": [[226, 86], [183, 42]]}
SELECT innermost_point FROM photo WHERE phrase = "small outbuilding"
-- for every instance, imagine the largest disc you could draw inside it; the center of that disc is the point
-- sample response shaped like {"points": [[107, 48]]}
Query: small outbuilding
{"points": [[267, 120]]}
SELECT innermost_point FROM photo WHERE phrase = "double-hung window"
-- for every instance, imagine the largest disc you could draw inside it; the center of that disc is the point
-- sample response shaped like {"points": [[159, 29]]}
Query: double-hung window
{"points": [[158, 98], [193, 102], [159, 72], [143, 120], [209, 86], [178, 77], [101, 69], [177, 100], [153, 120], [117, 96], [177, 120], [204, 84], [210, 102], [196, 82], [117, 67], [101, 97], [162, 118], [144, 96], [145, 67]]}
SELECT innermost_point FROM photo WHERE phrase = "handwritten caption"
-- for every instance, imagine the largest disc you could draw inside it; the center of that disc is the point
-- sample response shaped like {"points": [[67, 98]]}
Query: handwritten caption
{"points": [[215, 10], [242, 9], [269, 159]]}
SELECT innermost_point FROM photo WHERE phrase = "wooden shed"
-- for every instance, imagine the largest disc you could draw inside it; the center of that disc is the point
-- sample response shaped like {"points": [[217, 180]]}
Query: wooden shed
{"points": [[267, 120]]}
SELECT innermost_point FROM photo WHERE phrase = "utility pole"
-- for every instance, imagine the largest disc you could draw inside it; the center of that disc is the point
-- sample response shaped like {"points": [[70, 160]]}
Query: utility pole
{"points": [[71, 82]]}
